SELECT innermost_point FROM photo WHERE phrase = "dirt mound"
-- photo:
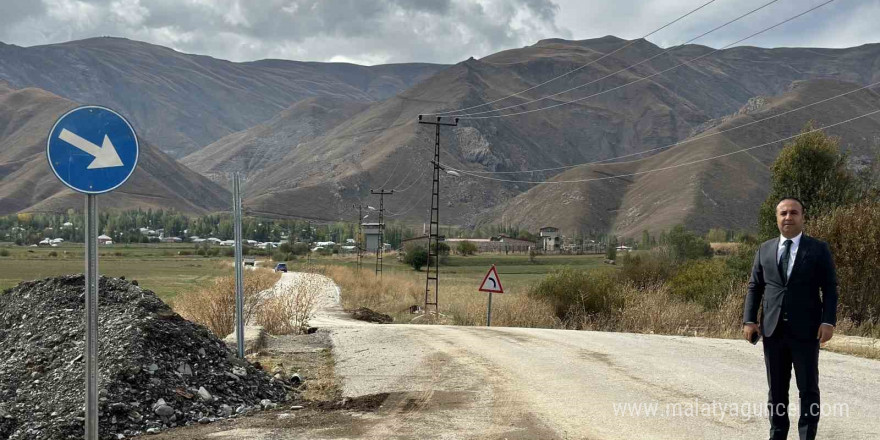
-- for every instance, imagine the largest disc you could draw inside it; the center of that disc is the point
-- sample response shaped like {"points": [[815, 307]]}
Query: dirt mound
{"points": [[365, 314], [157, 369]]}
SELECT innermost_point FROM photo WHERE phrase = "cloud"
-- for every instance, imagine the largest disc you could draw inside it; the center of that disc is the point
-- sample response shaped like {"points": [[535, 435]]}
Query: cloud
{"points": [[374, 31], [440, 31]]}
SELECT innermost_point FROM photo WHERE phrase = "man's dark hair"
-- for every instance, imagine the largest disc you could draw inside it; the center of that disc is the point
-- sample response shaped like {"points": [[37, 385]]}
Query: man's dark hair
{"points": [[803, 208]]}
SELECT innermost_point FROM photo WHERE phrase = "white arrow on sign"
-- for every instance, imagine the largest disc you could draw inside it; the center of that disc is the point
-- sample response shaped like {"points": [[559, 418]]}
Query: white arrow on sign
{"points": [[105, 155]]}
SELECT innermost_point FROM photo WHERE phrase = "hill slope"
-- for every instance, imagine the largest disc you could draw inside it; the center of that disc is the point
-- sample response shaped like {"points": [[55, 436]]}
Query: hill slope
{"points": [[322, 177], [259, 146], [723, 192], [183, 102], [27, 183]]}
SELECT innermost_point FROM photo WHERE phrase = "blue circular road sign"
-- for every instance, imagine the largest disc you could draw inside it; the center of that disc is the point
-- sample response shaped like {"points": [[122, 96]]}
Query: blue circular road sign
{"points": [[92, 149]]}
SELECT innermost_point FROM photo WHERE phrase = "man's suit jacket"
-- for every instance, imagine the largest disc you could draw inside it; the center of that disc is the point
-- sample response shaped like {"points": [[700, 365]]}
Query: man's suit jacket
{"points": [[813, 270]]}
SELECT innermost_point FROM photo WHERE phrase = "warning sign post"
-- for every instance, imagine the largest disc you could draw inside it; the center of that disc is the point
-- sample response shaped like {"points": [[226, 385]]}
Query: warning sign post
{"points": [[492, 284]]}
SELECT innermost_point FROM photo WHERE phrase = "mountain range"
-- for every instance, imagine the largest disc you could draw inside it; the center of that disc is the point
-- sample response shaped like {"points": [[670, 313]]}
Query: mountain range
{"points": [[313, 138]]}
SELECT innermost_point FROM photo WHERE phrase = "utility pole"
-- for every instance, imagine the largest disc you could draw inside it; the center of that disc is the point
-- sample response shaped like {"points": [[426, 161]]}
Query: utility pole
{"points": [[433, 270], [380, 246], [239, 276], [357, 239]]}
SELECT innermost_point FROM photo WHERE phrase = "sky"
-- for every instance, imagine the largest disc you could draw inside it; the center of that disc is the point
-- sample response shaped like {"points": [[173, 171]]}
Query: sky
{"points": [[436, 31]]}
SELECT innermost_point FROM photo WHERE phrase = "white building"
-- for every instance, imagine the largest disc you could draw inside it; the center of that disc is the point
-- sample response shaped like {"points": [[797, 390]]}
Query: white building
{"points": [[550, 239]]}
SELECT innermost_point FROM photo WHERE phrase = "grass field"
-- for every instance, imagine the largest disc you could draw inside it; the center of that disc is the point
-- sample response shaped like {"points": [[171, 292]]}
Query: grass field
{"points": [[157, 267], [515, 271], [161, 268]]}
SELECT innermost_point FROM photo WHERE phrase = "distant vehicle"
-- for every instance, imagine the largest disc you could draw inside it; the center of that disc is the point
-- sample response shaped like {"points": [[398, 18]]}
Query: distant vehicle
{"points": [[250, 261], [281, 267]]}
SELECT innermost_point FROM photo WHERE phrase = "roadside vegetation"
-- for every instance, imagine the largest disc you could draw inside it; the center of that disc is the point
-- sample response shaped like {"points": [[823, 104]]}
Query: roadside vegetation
{"points": [[280, 309], [679, 282]]}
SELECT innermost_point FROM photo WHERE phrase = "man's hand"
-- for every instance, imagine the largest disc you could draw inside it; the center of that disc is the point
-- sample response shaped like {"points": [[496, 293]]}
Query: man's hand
{"points": [[749, 330], [825, 333]]}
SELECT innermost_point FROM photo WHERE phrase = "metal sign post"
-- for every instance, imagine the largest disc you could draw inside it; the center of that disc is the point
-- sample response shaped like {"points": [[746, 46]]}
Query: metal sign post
{"points": [[91, 316], [239, 276], [492, 284], [92, 150]]}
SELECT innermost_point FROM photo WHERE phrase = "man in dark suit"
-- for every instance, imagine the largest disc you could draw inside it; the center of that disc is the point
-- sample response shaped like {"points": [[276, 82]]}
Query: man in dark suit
{"points": [[787, 275]]}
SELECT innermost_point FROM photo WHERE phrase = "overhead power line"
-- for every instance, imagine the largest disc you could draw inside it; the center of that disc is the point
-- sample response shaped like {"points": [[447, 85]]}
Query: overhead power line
{"points": [[672, 166], [628, 44], [476, 115], [664, 52], [686, 141]]}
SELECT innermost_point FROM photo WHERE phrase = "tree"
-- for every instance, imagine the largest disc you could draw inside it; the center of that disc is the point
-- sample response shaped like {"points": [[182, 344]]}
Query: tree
{"points": [[686, 245], [853, 233], [416, 256], [716, 235], [466, 248], [813, 169], [611, 251]]}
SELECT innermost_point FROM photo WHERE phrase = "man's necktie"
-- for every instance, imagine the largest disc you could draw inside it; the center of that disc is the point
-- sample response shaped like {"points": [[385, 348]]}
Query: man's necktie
{"points": [[783, 261]]}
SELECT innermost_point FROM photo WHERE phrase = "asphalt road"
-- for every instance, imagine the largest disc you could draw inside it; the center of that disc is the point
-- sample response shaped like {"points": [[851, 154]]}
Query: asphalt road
{"points": [[454, 382], [447, 382]]}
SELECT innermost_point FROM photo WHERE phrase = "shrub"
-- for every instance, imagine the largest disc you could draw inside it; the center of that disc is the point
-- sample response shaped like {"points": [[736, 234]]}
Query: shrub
{"points": [[214, 305], [686, 245], [288, 309], [416, 256], [4, 252], [299, 249], [229, 252], [53, 254], [282, 256], [702, 281], [611, 251], [466, 248], [716, 235], [647, 268], [853, 233], [441, 249], [182, 253], [576, 294]]}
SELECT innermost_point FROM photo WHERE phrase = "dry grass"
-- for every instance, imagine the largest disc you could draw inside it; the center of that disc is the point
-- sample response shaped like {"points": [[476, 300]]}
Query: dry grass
{"points": [[396, 292], [286, 309], [656, 310], [325, 385], [214, 305]]}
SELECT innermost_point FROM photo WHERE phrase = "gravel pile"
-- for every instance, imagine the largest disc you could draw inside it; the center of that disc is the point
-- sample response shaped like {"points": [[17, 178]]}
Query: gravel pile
{"points": [[157, 370]]}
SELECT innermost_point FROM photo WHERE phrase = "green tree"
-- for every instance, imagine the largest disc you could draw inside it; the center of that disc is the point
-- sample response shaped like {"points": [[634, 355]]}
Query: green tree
{"points": [[466, 248], [611, 251], [416, 256], [716, 235], [686, 245], [813, 169]]}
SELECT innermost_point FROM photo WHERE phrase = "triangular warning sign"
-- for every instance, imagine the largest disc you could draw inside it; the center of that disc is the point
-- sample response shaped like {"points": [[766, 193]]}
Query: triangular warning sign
{"points": [[492, 283]]}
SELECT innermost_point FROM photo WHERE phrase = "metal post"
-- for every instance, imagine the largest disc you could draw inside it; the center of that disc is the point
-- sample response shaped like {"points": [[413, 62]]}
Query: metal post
{"points": [[489, 315], [433, 267], [380, 246], [239, 276], [91, 317]]}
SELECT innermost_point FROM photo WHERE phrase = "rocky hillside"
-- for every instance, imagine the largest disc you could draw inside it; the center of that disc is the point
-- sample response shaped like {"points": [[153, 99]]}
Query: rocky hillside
{"points": [[259, 146], [27, 183], [320, 178], [723, 192], [183, 102]]}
